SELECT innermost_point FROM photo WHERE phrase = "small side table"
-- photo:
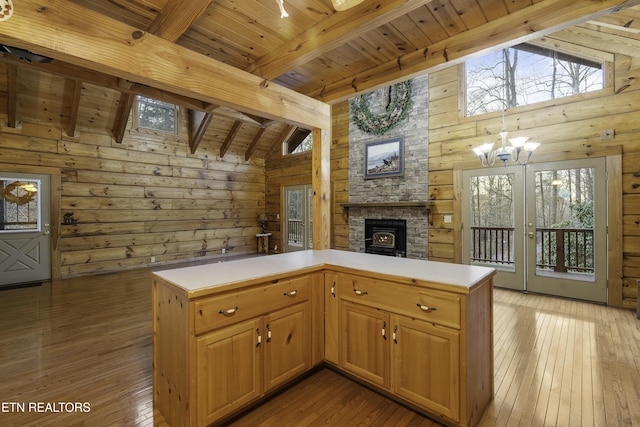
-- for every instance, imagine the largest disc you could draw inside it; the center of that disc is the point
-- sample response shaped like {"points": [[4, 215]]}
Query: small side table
{"points": [[263, 242]]}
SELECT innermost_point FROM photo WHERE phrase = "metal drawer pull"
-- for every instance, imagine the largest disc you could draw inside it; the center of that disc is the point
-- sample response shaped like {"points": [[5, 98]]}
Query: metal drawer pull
{"points": [[291, 293], [425, 308], [229, 312], [357, 292]]}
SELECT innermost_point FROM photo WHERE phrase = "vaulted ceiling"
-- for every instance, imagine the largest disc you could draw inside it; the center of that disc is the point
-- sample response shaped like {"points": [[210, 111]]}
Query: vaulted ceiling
{"points": [[285, 65]]}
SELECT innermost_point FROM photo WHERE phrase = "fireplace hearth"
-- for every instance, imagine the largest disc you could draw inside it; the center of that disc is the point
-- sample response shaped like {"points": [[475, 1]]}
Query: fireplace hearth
{"points": [[386, 237]]}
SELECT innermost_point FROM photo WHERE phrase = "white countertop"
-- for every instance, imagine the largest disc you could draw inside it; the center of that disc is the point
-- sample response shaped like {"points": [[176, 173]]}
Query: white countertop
{"points": [[225, 273]]}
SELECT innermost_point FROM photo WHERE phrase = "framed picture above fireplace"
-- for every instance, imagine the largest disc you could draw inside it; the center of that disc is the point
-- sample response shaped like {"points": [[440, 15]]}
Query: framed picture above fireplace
{"points": [[384, 158]]}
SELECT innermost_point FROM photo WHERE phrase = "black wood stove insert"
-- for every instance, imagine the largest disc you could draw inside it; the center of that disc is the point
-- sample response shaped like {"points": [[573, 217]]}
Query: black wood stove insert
{"points": [[385, 237]]}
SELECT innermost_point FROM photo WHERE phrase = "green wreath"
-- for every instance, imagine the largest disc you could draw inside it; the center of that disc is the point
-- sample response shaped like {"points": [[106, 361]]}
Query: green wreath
{"points": [[398, 107]]}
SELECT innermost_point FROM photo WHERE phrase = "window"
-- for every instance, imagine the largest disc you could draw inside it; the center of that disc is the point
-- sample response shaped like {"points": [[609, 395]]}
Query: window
{"points": [[525, 74], [19, 205], [156, 115], [301, 140]]}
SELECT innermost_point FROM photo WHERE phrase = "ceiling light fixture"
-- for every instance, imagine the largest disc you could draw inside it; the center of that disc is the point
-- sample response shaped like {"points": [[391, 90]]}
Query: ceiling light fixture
{"points": [[504, 153], [283, 13], [340, 5]]}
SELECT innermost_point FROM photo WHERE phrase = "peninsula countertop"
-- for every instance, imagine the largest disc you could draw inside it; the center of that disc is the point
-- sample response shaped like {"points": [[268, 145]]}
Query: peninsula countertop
{"points": [[218, 274]]}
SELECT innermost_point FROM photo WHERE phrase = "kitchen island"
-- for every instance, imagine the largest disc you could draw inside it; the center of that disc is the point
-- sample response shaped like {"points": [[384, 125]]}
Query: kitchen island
{"points": [[225, 335]]}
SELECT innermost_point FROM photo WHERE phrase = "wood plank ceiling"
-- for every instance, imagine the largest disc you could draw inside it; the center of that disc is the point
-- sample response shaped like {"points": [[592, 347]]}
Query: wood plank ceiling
{"points": [[317, 51]]}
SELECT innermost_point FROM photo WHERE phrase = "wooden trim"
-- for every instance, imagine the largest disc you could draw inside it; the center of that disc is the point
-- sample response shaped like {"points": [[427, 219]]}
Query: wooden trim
{"points": [[230, 136], [426, 205], [457, 216], [122, 116], [615, 227], [74, 108], [321, 187]]}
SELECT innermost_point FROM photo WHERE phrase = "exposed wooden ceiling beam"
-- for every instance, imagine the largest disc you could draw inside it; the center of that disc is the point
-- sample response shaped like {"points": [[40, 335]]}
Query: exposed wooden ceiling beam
{"points": [[74, 107], [331, 33], [99, 43], [254, 144], [228, 113], [122, 115], [73, 72], [524, 25], [230, 136], [198, 123], [176, 18], [12, 97]]}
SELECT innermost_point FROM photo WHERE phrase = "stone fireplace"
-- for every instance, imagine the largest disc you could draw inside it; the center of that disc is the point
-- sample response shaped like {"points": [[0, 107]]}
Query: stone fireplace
{"points": [[396, 198]]}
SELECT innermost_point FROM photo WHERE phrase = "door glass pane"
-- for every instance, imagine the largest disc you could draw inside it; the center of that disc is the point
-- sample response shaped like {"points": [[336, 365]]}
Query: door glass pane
{"points": [[565, 223], [492, 221], [295, 217], [19, 201]]}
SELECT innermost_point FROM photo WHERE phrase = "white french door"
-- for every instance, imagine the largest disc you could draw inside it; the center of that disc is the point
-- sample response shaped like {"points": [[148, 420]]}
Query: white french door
{"points": [[542, 226], [298, 218], [25, 240]]}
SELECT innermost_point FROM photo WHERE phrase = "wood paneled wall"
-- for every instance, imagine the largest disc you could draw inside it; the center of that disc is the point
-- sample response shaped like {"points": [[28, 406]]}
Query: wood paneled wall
{"points": [[148, 197], [296, 170], [568, 129]]}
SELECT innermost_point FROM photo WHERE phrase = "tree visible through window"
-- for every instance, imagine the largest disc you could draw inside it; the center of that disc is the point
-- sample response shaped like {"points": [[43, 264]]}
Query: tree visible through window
{"points": [[525, 74], [157, 115]]}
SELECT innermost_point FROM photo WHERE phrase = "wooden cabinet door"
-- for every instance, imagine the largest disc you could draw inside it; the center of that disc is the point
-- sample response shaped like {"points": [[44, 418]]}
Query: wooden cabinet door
{"points": [[287, 344], [425, 365], [228, 365], [364, 343]]}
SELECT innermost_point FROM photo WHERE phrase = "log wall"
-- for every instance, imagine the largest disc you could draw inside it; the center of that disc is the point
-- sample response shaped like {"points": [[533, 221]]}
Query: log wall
{"points": [[147, 197], [296, 169], [568, 129]]}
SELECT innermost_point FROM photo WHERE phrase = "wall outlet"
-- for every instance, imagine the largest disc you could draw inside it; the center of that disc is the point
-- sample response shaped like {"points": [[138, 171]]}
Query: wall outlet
{"points": [[224, 250], [153, 259], [447, 219]]}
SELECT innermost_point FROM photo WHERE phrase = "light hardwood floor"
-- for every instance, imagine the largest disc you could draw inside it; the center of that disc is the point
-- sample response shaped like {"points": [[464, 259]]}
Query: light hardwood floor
{"points": [[557, 362]]}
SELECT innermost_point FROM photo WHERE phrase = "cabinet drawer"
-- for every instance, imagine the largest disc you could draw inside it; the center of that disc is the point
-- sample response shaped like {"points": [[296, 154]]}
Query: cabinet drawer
{"points": [[433, 306], [231, 307]]}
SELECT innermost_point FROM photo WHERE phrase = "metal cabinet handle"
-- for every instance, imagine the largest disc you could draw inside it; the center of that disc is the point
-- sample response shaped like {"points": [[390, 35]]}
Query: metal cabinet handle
{"points": [[259, 337], [333, 289], [291, 293], [357, 292], [384, 332], [268, 333], [229, 312], [395, 330], [425, 308]]}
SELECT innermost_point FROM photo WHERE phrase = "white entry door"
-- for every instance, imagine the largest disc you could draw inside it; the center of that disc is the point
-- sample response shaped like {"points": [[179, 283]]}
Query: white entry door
{"points": [[298, 218], [543, 227], [25, 240]]}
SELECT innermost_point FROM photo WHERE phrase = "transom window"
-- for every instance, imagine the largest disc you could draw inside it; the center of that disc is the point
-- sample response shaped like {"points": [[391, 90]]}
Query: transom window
{"points": [[526, 74], [156, 115], [301, 140]]}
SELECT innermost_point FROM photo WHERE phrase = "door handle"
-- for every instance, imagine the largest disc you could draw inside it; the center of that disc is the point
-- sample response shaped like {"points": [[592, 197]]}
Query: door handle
{"points": [[530, 234]]}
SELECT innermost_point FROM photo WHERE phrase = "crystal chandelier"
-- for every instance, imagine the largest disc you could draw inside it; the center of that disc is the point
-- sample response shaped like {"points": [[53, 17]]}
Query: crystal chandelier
{"points": [[519, 145]]}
